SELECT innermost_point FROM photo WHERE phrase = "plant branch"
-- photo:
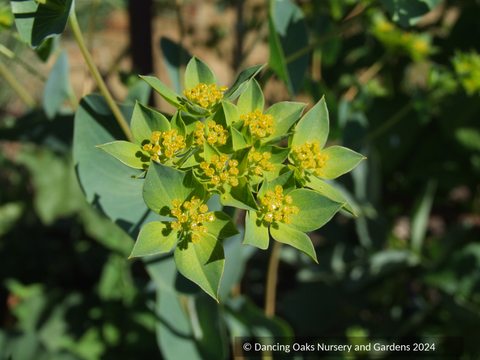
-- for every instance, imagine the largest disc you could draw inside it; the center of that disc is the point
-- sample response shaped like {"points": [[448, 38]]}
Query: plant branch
{"points": [[12, 56], [98, 77], [272, 275], [19, 89]]}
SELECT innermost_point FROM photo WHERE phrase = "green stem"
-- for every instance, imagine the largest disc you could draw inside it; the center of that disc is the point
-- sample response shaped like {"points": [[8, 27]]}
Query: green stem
{"points": [[98, 77], [19, 89], [272, 275]]}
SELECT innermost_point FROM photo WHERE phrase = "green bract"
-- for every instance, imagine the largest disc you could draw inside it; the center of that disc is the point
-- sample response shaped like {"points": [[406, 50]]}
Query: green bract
{"points": [[212, 147]]}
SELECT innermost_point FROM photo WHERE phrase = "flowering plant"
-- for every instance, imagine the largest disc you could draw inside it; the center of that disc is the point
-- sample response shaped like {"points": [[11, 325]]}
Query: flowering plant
{"points": [[211, 146]]}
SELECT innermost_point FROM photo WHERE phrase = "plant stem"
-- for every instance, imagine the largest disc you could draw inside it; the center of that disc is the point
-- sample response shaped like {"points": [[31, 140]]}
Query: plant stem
{"points": [[272, 275], [98, 77], [11, 55], [19, 89]]}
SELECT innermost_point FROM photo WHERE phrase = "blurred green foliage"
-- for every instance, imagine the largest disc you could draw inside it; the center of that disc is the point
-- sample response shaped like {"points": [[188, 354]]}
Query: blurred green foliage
{"points": [[406, 97]]}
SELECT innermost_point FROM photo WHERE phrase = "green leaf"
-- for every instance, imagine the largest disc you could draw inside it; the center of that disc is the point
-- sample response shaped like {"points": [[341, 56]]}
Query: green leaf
{"points": [[341, 160], [209, 151], [313, 126], [409, 12], [286, 181], [329, 191], [223, 226], [175, 58], [138, 91], [278, 154], [57, 88], [164, 184], [202, 263], [198, 72], [170, 96], [242, 157], [287, 35], [230, 112], [285, 234], [128, 153], [145, 121], [238, 140], [251, 99], [36, 21], [315, 210], [285, 114], [238, 196], [178, 124], [256, 231], [421, 215], [107, 183], [155, 238], [195, 110], [242, 82]]}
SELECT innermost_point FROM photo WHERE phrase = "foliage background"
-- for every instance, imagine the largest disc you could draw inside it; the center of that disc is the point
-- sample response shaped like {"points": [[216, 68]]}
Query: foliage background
{"points": [[401, 89]]}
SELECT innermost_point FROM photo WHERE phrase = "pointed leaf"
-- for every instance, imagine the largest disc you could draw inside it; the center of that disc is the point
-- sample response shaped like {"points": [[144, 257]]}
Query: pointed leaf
{"points": [[238, 140], [164, 184], [286, 181], [251, 99], [198, 72], [178, 124], [145, 121], [223, 226], [279, 154], [155, 238], [285, 234], [313, 126], [238, 196], [128, 153], [36, 21], [315, 210], [256, 231], [170, 96], [329, 191], [285, 114], [209, 151], [242, 82], [341, 160], [202, 262]]}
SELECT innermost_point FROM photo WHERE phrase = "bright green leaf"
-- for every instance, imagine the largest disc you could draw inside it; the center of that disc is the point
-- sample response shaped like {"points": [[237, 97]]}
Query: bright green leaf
{"points": [[313, 126], [223, 226], [242, 82], [251, 99], [238, 196], [285, 114], [315, 210], [341, 161], [198, 72], [178, 124], [128, 153], [170, 96], [256, 231], [155, 238], [285, 234], [164, 184], [202, 262], [145, 121]]}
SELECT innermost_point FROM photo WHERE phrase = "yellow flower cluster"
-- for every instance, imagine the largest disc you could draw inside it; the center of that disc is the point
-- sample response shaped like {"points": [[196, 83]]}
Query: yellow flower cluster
{"points": [[216, 133], [309, 156], [218, 172], [191, 220], [164, 144], [258, 163], [278, 207], [260, 125], [205, 96]]}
